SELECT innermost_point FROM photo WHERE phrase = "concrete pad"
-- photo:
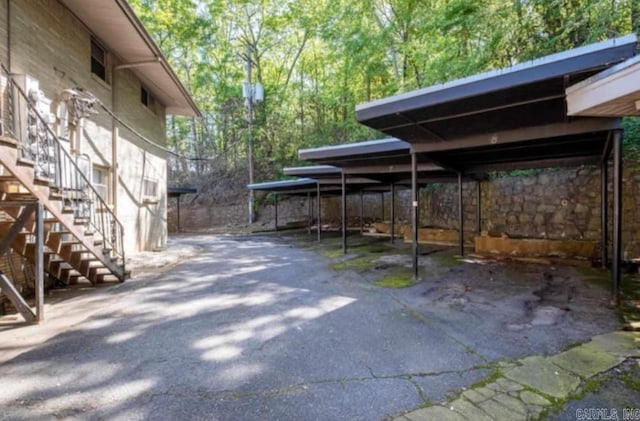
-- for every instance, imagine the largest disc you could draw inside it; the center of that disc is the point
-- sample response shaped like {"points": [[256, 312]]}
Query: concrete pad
{"points": [[435, 413], [541, 374], [500, 412], [474, 396], [529, 398], [441, 387], [468, 410], [585, 361], [620, 344], [504, 385], [511, 403]]}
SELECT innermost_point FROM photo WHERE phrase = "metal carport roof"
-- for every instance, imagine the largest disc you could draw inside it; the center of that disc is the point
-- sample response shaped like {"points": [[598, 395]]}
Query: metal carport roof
{"points": [[493, 108], [384, 160], [511, 118]]}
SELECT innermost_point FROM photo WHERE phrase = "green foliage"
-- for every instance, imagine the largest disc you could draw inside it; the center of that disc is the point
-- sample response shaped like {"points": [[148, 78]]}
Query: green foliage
{"points": [[631, 126], [317, 59]]}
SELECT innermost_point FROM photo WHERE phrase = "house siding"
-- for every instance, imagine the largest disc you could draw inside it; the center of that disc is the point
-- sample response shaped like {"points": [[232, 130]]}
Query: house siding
{"points": [[48, 43]]}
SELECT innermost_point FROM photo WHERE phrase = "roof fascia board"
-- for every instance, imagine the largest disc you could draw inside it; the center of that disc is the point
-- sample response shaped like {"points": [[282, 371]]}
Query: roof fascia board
{"points": [[271, 185], [354, 149], [311, 170]]}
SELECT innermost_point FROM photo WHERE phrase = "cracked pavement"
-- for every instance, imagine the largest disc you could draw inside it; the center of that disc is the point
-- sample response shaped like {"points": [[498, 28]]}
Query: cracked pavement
{"points": [[250, 328]]}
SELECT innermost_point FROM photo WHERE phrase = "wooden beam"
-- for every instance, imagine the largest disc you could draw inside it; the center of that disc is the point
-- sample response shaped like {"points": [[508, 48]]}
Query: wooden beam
{"points": [[18, 224], [10, 291]]}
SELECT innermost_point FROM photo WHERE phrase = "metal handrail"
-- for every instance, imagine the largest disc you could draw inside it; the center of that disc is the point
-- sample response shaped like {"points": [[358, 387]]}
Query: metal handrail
{"points": [[54, 162]]}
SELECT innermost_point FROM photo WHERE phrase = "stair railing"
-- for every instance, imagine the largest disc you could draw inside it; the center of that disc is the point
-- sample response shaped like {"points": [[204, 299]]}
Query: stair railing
{"points": [[55, 163]]}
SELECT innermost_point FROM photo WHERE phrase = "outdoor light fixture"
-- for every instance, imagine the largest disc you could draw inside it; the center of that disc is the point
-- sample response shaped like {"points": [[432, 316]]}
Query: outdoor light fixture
{"points": [[252, 92]]}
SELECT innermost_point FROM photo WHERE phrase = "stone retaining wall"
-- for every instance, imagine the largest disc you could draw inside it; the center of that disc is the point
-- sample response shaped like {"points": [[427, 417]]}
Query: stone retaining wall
{"points": [[552, 204]]}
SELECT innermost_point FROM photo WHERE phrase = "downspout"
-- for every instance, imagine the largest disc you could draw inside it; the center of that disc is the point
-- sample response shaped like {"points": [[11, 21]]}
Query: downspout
{"points": [[9, 36], [114, 145]]}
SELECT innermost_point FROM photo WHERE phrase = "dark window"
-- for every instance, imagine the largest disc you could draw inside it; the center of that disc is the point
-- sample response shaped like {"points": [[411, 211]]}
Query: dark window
{"points": [[147, 99], [98, 60], [144, 96]]}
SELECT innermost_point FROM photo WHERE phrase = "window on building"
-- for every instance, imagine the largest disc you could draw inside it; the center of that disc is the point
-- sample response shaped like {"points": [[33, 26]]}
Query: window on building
{"points": [[100, 181], [150, 188], [98, 60], [147, 99]]}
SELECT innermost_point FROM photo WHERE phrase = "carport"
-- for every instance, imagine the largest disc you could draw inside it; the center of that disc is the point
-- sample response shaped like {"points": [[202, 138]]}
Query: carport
{"points": [[330, 174], [177, 192], [512, 118], [389, 162], [298, 187], [321, 180]]}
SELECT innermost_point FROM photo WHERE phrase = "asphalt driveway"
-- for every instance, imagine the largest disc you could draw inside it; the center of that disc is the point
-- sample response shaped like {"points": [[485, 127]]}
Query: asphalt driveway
{"points": [[260, 328]]}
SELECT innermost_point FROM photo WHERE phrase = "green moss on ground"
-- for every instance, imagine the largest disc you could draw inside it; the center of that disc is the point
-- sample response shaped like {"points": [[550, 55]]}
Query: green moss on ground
{"points": [[597, 276], [357, 263], [402, 278], [332, 254], [448, 260], [631, 378]]}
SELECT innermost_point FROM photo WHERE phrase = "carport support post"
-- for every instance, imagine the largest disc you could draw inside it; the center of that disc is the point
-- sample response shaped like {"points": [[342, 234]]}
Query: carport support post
{"points": [[460, 216], [617, 213], [478, 208], [393, 212], [178, 205], [308, 213], [318, 209], [344, 213], [414, 213], [39, 262], [276, 210], [361, 212], [382, 202], [604, 212]]}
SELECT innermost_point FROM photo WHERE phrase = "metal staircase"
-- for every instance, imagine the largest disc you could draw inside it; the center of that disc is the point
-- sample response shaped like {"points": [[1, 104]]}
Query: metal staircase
{"points": [[81, 236]]}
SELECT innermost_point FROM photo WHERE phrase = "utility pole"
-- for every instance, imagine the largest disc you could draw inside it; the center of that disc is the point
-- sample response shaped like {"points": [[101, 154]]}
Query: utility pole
{"points": [[252, 94], [249, 100]]}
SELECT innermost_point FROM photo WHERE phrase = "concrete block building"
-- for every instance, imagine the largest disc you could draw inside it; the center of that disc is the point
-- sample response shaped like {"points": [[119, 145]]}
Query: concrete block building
{"points": [[85, 96]]}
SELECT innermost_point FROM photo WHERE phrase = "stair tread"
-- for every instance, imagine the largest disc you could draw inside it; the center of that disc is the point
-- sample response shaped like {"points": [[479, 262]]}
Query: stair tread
{"points": [[26, 162]]}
